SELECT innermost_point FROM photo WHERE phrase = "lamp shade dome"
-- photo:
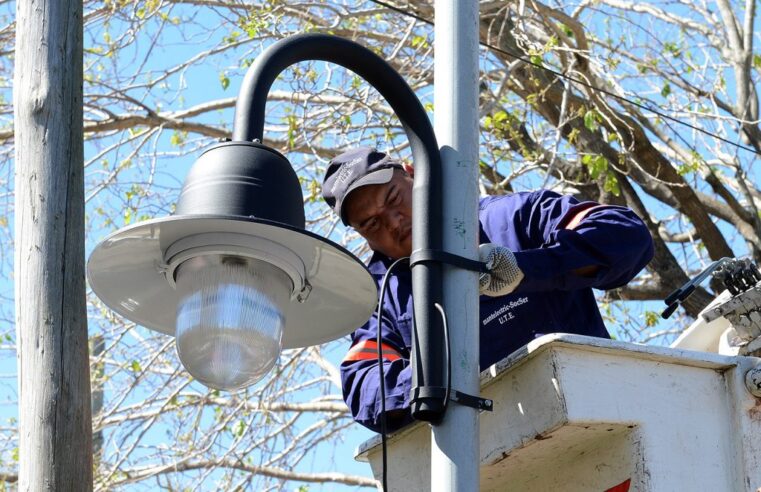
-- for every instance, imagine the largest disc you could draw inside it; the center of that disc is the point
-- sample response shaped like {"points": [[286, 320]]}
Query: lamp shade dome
{"points": [[244, 179]]}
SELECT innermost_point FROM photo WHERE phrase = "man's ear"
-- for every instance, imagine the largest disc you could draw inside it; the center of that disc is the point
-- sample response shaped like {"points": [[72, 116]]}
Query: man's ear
{"points": [[408, 169]]}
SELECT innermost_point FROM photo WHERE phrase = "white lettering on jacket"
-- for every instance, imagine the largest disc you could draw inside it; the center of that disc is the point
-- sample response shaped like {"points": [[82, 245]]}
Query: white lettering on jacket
{"points": [[504, 313]]}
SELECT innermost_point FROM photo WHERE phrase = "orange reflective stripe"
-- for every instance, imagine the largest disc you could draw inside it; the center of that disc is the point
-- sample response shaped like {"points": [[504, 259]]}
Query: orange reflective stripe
{"points": [[368, 349], [575, 219]]}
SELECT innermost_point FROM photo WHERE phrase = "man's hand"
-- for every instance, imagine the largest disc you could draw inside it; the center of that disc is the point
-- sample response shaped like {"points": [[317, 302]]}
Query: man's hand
{"points": [[503, 276]]}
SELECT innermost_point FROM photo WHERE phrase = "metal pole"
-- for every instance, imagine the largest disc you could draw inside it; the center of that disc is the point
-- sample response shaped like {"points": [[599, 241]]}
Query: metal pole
{"points": [[455, 442]]}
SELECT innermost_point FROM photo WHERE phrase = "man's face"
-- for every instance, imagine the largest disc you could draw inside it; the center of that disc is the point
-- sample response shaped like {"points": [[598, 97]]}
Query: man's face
{"points": [[382, 214]]}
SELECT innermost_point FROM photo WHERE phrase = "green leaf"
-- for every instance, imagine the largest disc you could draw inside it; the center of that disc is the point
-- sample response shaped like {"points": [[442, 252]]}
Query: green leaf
{"points": [[224, 80], [673, 49], [666, 90], [611, 185], [591, 119], [314, 190], [600, 164], [596, 165], [232, 38], [292, 128], [651, 318], [688, 167], [178, 138], [135, 366], [419, 42]]}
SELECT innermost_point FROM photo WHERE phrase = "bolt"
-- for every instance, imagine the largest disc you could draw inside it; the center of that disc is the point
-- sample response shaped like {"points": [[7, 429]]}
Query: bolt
{"points": [[753, 381]]}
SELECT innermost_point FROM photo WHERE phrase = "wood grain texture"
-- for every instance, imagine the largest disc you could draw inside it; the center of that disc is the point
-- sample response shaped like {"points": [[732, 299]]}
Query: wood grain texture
{"points": [[55, 433]]}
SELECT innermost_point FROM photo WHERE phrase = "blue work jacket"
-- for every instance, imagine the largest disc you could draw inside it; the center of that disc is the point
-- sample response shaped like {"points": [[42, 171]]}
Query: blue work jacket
{"points": [[551, 236]]}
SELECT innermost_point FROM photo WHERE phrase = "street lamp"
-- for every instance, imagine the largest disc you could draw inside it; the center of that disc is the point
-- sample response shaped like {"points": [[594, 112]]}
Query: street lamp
{"points": [[233, 267], [233, 274]]}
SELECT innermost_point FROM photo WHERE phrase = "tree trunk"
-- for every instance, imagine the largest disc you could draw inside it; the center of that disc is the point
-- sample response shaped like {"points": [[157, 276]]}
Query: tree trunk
{"points": [[55, 435]]}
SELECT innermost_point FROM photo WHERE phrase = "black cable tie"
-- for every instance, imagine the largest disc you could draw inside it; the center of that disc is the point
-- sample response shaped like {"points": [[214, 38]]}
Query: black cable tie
{"points": [[429, 255], [422, 392]]}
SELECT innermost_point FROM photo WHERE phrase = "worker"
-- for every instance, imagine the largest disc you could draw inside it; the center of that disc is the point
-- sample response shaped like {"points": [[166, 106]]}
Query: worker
{"points": [[555, 247]]}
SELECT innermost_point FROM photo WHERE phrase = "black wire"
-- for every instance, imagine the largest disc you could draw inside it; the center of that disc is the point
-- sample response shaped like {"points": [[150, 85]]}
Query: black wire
{"points": [[403, 12], [380, 368], [576, 81]]}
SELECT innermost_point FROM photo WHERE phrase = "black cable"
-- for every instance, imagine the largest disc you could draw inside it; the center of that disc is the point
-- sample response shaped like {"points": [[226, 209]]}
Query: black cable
{"points": [[403, 12], [448, 355], [379, 348], [576, 81]]}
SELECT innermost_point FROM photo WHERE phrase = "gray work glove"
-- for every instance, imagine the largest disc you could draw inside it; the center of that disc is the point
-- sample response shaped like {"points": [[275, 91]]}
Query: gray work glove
{"points": [[503, 276]]}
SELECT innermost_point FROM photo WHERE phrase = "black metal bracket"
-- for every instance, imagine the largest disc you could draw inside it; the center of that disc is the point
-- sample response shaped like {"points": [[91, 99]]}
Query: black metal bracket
{"points": [[440, 393], [482, 404]]}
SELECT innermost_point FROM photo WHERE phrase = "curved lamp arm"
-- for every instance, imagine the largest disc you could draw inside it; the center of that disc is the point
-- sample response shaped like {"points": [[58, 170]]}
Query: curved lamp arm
{"points": [[428, 342]]}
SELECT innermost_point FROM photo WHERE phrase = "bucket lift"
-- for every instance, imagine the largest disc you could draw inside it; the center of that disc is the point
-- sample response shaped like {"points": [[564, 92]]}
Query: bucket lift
{"points": [[575, 413]]}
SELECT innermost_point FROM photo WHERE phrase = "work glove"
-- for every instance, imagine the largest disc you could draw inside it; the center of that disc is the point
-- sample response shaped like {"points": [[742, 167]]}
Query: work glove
{"points": [[503, 275]]}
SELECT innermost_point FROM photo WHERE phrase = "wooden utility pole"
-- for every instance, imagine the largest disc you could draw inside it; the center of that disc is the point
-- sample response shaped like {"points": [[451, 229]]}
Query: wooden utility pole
{"points": [[55, 433]]}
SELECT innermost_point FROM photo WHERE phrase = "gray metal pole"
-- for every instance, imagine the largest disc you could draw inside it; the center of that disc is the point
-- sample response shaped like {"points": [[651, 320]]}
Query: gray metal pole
{"points": [[455, 446]]}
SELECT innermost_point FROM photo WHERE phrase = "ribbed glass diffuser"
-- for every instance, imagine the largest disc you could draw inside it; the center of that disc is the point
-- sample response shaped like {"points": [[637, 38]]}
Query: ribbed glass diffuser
{"points": [[230, 319]]}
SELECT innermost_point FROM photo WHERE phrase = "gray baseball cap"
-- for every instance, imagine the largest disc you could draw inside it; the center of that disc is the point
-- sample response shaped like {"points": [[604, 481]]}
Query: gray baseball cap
{"points": [[353, 169]]}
